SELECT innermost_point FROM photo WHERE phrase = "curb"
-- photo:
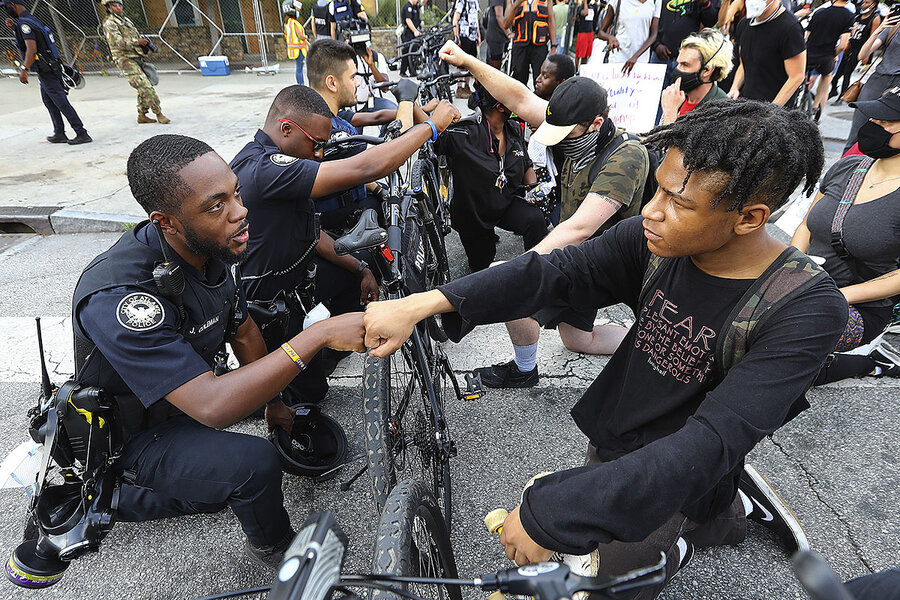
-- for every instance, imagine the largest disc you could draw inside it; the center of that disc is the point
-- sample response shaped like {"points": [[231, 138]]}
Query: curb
{"points": [[79, 221]]}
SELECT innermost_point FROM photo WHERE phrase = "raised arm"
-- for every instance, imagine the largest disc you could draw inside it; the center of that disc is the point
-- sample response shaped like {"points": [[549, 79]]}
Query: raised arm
{"points": [[509, 92]]}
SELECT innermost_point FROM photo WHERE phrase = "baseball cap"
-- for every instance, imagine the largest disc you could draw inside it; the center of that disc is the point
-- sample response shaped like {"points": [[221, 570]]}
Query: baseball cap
{"points": [[886, 108], [576, 100]]}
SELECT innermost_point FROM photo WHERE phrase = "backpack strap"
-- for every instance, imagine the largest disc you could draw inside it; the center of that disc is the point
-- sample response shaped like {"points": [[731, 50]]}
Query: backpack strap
{"points": [[604, 155], [651, 274], [789, 276]]}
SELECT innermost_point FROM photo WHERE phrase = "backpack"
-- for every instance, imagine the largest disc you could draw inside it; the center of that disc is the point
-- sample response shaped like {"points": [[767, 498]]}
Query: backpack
{"points": [[650, 185]]}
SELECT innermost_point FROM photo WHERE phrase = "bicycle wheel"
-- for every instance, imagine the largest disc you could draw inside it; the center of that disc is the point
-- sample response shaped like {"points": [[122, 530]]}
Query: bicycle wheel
{"points": [[412, 541], [398, 423], [805, 101]]}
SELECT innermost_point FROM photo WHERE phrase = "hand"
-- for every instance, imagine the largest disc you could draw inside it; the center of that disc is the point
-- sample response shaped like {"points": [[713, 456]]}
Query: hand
{"points": [[662, 53], [344, 332], [629, 65], [613, 43], [388, 325], [518, 544], [367, 57], [733, 94], [430, 105], [406, 90], [417, 34], [23, 76], [279, 414], [889, 22], [451, 53], [368, 287], [672, 97], [143, 41], [444, 115], [9, 23]]}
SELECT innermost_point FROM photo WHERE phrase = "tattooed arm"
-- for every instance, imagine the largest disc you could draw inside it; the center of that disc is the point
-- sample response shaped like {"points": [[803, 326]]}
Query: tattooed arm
{"points": [[592, 213], [879, 288]]}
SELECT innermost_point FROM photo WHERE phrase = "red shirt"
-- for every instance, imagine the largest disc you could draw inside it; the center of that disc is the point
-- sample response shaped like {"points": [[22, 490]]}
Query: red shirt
{"points": [[686, 107]]}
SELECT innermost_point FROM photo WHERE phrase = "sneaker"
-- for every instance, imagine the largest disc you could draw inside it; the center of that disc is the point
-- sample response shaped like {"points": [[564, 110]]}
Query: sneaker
{"points": [[888, 361], [81, 138], [770, 511], [507, 375], [269, 557], [58, 138], [686, 554], [894, 325]]}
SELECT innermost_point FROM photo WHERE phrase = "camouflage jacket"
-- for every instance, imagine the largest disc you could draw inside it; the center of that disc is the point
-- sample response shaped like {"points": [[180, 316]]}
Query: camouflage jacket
{"points": [[122, 37]]}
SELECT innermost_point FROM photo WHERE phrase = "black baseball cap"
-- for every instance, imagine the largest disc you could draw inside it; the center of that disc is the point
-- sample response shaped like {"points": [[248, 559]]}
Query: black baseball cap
{"points": [[886, 108], [576, 100]]}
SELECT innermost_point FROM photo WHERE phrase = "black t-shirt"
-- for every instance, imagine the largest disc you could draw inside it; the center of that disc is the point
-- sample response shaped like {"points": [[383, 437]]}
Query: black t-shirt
{"points": [[494, 32], [763, 50], [825, 29], [585, 23], [276, 190], [476, 166], [674, 435], [412, 13], [680, 18]]}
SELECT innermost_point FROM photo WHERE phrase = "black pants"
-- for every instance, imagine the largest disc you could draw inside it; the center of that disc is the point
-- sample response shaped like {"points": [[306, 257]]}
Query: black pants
{"points": [[525, 56], [181, 467], [55, 99], [339, 290], [845, 70], [480, 244], [404, 62]]}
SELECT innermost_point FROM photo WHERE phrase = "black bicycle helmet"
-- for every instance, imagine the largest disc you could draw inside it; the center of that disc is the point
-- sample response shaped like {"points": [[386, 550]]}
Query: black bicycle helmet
{"points": [[316, 446]]}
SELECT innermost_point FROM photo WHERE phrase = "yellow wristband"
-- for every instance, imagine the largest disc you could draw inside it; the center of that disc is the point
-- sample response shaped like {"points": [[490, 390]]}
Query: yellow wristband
{"points": [[292, 354]]}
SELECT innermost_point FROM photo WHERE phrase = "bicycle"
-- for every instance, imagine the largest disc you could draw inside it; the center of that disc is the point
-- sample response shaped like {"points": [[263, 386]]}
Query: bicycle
{"points": [[402, 434], [425, 62], [806, 97]]}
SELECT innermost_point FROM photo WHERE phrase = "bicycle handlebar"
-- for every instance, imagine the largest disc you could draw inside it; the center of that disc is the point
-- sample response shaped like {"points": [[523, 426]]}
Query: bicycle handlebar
{"points": [[351, 139]]}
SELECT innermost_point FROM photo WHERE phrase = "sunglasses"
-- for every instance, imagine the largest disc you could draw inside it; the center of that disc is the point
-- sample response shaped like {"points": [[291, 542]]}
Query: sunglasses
{"points": [[317, 144]]}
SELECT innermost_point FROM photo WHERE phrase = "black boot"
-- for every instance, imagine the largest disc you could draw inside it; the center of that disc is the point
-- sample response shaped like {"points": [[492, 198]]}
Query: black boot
{"points": [[81, 138], [58, 138]]}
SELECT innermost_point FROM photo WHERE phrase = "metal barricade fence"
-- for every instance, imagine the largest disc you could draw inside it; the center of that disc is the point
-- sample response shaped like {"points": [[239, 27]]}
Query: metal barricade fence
{"points": [[249, 32]]}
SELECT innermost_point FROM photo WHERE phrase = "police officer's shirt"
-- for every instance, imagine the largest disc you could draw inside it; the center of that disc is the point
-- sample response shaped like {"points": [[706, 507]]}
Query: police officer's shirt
{"points": [[410, 12], [341, 10], [25, 29], [276, 189], [137, 332], [476, 165]]}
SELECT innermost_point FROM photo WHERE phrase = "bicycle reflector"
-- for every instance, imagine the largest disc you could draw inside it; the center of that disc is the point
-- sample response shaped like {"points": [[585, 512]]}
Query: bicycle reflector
{"points": [[312, 563]]}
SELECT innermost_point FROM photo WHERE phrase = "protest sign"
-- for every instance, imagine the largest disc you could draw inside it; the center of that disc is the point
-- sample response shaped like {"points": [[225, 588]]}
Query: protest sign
{"points": [[633, 98]]}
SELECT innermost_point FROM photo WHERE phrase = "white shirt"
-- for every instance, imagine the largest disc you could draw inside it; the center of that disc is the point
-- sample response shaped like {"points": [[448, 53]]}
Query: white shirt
{"points": [[633, 28]]}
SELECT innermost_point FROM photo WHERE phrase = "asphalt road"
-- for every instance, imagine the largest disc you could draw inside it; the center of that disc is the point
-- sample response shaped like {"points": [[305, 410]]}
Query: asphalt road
{"points": [[837, 465]]}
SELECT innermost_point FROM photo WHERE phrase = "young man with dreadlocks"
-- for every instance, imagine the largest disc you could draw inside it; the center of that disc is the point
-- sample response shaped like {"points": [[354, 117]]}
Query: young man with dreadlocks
{"points": [[732, 326]]}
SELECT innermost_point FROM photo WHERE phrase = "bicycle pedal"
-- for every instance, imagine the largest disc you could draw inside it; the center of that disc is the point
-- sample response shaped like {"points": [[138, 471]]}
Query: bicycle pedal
{"points": [[474, 388]]}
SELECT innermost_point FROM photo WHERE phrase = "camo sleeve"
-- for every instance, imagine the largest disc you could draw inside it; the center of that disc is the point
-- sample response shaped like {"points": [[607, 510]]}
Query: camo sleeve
{"points": [[622, 177], [114, 36]]}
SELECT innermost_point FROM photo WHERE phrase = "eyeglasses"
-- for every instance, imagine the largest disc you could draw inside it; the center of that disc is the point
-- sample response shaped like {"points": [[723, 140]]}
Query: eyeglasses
{"points": [[317, 144]]}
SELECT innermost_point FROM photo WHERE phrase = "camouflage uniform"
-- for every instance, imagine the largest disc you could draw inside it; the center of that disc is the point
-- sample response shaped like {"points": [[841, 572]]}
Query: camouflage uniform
{"points": [[621, 178], [122, 37]]}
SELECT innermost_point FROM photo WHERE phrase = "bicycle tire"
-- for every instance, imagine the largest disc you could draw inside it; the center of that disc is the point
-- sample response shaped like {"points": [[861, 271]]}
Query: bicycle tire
{"points": [[399, 431], [413, 541]]}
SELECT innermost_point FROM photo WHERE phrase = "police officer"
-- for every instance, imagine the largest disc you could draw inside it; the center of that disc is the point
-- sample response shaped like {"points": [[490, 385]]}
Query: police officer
{"points": [[153, 345], [321, 19], [280, 173], [342, 11], [39, 54], [128, 48]]}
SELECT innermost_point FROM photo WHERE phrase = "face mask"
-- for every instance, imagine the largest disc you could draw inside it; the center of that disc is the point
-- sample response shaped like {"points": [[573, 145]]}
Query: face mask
{"points": [[689, 81], [874, 139], [755, 8]]}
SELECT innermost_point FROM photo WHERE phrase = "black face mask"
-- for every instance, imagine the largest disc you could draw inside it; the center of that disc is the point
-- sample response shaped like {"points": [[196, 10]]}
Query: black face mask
{"points": [[874, 141], [689, 81]]}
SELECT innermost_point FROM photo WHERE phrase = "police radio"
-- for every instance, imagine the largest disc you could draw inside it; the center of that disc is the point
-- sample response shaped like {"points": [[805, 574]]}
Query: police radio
{"points": [[167, 275]]}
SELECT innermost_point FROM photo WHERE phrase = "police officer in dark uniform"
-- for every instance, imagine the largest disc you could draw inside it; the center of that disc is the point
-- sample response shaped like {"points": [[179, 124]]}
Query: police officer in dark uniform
{"points": [[342, 11], [39, 53], [150, 315], [280, 174]]}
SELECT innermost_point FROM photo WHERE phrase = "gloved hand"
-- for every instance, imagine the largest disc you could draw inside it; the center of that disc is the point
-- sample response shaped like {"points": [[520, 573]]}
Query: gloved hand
{"points": [[406, 90]]}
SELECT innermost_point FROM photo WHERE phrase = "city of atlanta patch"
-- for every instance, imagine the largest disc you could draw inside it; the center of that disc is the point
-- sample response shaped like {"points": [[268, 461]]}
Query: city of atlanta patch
{"points": [[283, 160], [26, 29], [140, 312]]}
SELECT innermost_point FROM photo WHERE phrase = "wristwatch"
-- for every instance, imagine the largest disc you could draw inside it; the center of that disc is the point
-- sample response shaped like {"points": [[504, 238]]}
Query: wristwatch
{"points": [[363, 265]]}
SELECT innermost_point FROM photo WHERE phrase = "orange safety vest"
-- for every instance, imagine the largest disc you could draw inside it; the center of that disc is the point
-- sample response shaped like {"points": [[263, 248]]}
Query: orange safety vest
{"points": [[531, 24], [295, 45]]}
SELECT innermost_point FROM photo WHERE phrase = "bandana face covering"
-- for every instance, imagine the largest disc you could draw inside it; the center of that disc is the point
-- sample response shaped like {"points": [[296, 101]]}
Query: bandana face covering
{"points": [[581, 150]]}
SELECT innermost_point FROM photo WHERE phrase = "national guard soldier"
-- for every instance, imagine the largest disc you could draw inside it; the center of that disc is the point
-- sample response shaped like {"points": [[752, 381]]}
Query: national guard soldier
{"points": [[38, 49], [150, 315], [128, 48]]}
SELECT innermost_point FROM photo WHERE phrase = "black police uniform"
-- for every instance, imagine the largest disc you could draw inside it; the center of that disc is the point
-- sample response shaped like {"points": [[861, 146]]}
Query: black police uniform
{"points": [[49, 71], [412, 13], [276, 189], [134, 343]]}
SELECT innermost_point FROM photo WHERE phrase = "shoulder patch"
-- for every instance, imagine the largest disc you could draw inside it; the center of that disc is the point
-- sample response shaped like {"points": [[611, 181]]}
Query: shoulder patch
{"points": [[140, 311], [26, 28], [282, 160]]}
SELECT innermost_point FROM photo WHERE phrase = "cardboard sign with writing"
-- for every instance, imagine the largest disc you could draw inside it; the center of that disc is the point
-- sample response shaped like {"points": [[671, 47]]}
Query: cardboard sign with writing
{"points": [[633, 98]]}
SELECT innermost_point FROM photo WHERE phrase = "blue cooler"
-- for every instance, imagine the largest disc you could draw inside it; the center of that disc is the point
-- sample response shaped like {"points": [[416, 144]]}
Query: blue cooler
{"points": [[214, 65]]}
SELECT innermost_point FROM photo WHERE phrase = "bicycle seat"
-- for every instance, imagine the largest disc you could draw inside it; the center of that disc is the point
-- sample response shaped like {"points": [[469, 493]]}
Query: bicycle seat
{"points": [[367, 233]]}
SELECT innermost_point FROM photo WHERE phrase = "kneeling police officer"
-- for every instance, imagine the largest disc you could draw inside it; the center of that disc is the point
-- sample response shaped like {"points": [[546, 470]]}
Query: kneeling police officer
{"points": [[150, 316]]}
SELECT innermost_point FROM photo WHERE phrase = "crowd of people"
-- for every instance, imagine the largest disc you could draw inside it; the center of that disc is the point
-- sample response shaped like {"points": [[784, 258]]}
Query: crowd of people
{"points": [[732, 326]]}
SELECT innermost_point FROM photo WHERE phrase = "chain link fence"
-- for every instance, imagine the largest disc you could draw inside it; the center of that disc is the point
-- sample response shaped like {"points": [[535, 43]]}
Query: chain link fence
{"points": [[249, 32]]}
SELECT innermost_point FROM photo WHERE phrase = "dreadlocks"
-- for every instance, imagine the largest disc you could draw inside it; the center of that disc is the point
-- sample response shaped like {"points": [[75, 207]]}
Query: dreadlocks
{"points": [[766, 150]]}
